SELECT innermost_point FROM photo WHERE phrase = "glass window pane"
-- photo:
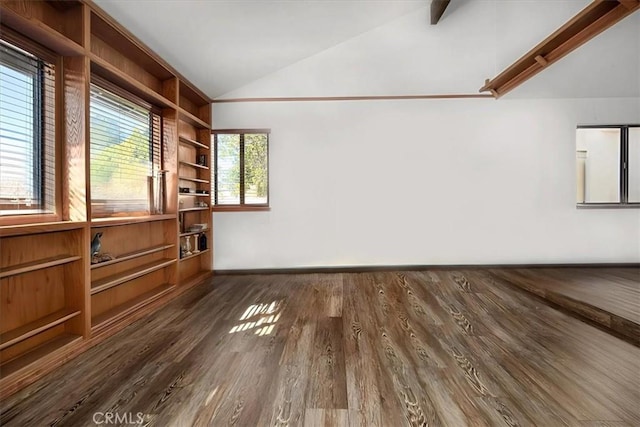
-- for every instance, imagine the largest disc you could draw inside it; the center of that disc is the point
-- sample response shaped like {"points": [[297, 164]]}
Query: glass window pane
{"points": [[256, 178], [634, 165], [121, 154], [598, 165], [16, 135], [228, 169], [27, 133]]}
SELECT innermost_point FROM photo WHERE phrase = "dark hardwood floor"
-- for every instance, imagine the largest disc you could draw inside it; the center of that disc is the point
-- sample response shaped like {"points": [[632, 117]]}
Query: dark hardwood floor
{"points": [[607, 296], [431, 348]]}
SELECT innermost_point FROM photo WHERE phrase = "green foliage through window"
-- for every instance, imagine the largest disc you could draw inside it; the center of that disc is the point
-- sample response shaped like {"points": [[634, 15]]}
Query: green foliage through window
{"points": [[241, 173], [123, 153]]}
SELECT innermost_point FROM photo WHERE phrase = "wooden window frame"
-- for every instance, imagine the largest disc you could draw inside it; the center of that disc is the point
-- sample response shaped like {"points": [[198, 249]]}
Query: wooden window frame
{"points": [[623, 178], [242, 207]]}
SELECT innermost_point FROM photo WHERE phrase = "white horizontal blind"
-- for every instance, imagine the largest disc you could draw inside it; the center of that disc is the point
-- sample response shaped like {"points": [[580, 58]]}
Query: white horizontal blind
{"points": [[125, 152], [27, 134]]}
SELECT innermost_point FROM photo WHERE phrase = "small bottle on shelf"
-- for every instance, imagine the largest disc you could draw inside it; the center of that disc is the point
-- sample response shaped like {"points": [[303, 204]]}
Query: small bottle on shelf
{"points": [[202, 242]]}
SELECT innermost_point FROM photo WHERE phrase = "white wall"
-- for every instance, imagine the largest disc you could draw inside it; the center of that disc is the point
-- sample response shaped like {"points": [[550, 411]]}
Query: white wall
{"points": [[436, 181], [424, 182]]}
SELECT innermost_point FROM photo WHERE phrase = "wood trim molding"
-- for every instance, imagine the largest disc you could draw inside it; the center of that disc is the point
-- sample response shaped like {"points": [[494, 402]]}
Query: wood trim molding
{"points": [[591, 21], [351, 98], [419, 267]]}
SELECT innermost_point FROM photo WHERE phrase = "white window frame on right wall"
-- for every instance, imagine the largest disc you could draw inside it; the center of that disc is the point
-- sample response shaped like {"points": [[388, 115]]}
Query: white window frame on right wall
{"points": [[625, 167]]}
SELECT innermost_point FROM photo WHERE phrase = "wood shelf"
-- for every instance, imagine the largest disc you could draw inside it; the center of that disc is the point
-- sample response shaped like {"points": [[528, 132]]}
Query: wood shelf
{"points": [[193, 194], [192, 120], [16, 335], [192, 95], [41, 32], [125, 220], [133, 273], [202, 181], [195, 143], [194, 209], [37, 265], [193, 165], [191, 233], [43, 227], [108, 71], [194, 255], [133, 255], [58, 343], [115, 41], [116, 313]]}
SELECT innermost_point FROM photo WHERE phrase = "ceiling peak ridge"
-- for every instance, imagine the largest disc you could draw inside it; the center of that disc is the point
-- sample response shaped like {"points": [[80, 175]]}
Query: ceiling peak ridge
{"points": [[423, 9]]}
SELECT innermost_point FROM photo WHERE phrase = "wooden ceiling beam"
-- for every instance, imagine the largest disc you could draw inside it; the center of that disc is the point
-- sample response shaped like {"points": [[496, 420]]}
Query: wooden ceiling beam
{"points": [[591, 21], [437, 9]]}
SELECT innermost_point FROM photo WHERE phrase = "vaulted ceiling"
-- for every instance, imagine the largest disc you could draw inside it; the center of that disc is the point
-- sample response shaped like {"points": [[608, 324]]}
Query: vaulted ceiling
{"points": [[354, 47], [222, 45]]}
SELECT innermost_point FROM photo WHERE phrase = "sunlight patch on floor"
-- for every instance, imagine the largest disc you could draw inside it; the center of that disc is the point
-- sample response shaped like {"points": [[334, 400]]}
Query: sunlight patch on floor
{"points": [[261, 318]]}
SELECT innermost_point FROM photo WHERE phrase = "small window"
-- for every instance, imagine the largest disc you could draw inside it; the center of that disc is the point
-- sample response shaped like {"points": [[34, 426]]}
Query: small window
{"points": [[27, 134], [241, 170], [608, 165], [125, 154]]}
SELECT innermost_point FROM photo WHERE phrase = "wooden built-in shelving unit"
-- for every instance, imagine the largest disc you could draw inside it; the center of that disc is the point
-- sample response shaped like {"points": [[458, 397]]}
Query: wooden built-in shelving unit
{"points": [[193, 165], [195, 195], [31, 329], [133, 255], [48, 348], [142, 265], [189, 233], [194, 255], [53, 301], [194, 136], [193, 209], [42, 293], [192, 142], [127, 275], [39, 264], [120, 311], [193, 179], [126, 220]]}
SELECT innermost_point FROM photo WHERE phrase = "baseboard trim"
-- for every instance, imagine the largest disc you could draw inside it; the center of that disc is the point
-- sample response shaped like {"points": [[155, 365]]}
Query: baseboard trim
{"points": [[417, 267]]}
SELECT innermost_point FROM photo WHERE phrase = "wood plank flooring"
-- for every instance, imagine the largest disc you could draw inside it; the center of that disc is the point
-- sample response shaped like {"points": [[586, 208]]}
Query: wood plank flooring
{"points": [[608, 296], [430, 348]]}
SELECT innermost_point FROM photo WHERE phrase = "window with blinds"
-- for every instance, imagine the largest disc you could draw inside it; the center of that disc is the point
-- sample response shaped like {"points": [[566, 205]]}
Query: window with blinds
{"points": [[125, 153], [27, 134]]}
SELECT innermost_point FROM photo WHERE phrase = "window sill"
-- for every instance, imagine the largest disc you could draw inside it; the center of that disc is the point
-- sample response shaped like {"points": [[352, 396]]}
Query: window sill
{"points": [[243, 208], [125, 220], [608, 205], [24, 217]]}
